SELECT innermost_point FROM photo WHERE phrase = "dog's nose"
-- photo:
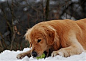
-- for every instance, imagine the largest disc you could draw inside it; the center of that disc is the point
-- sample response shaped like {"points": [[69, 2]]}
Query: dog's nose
{"points": [[34, 54]]}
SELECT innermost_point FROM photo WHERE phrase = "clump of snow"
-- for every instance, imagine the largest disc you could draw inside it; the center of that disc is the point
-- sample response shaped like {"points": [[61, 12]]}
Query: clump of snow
{"points": [[11, 56]]}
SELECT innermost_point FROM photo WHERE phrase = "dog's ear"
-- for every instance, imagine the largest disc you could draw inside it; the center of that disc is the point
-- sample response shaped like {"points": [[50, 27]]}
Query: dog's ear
{"points": [[50, 35], [27, 35]]}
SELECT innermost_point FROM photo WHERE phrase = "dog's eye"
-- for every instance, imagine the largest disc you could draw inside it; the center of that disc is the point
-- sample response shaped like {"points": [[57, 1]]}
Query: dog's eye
{"points": [[39, 40]]}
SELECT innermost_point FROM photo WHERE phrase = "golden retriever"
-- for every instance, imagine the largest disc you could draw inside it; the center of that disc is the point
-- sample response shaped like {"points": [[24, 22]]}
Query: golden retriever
{"points": [[56, 37]]}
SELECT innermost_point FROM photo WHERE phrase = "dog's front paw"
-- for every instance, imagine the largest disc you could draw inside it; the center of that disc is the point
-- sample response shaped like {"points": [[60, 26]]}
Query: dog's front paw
{"points": [[20, 56], [55, 53]]}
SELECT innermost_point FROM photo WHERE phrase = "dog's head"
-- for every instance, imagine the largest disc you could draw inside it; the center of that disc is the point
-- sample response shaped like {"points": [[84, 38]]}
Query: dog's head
{"points": [[41, 38]]}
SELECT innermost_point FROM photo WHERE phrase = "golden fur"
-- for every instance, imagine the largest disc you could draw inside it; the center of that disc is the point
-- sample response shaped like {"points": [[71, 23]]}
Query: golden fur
{"points": [[62, 37]]}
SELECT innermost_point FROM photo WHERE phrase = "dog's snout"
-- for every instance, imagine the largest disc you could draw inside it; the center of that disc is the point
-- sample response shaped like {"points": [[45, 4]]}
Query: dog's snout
{"points": [[34, 54]]}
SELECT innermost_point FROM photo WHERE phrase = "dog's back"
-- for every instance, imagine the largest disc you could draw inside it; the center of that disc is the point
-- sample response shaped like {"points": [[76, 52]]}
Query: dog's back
{"points": [[82, 24]]}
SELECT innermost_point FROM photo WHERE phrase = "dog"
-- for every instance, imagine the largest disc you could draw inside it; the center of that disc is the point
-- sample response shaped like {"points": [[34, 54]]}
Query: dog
{"points": [[56, 37]]}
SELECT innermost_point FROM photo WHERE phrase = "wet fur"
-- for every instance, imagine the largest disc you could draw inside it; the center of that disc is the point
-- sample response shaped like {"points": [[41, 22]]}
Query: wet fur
{"points": [[62, 37]]}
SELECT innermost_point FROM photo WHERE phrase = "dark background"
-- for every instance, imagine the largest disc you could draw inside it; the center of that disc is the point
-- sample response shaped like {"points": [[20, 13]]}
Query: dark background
{"points": [[16, 16]]}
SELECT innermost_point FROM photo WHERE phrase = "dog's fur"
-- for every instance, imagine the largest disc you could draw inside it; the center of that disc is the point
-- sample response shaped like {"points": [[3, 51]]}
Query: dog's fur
{"points": [[61, 37]]}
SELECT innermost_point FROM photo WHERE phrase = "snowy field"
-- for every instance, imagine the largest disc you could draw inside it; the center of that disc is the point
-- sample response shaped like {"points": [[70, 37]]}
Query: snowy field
{"points": [[11, 56]]}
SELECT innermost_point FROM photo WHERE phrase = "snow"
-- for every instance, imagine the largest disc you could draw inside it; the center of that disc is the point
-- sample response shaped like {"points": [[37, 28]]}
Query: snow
{"points": [[8, 55]]}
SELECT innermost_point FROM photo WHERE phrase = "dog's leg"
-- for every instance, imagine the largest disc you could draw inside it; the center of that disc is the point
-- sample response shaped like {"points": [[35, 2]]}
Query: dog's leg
{"points": [[74, 48], [65, 52], [21, 55]]}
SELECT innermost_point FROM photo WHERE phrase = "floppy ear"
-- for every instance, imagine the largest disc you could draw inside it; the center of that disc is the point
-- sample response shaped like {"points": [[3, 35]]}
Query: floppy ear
{"points": [[50, 35], [27, 36]]}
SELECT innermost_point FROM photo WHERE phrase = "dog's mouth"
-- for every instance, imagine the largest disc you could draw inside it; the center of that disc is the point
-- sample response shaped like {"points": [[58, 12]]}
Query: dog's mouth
{"points": [[47, 53]]}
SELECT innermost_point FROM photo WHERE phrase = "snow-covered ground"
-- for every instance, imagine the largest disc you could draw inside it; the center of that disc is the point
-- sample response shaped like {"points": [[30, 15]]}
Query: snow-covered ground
{"points": [[11, 56]]}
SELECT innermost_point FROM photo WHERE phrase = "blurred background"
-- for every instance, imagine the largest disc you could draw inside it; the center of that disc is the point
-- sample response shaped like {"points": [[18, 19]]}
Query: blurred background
{"points": [[16, 16]]}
